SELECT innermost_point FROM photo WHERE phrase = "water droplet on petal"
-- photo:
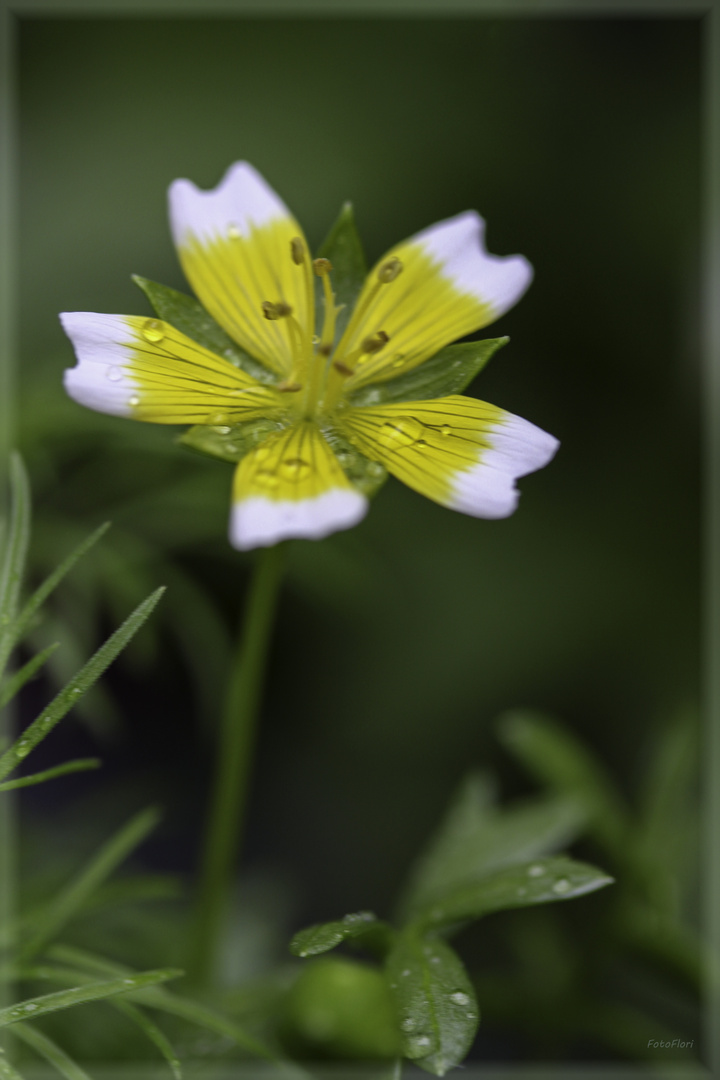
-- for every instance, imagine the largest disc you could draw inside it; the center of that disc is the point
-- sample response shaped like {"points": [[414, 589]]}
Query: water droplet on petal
{"points": [[408, 1024], [222, 429], [267, 478], [399, 361], [153, 331], [295, 469], [460, 997], [562, 886], [400, 431], [114, 374], [233, 232], [446, 430], [134, 401], [536, 871]]}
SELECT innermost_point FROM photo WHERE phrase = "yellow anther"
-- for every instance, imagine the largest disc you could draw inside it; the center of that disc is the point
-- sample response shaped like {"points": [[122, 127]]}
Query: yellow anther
{"points": [[322, 267], [287, 387], [280, 310], [375, 342], [342, 368], [297, 250], [389, 270]]}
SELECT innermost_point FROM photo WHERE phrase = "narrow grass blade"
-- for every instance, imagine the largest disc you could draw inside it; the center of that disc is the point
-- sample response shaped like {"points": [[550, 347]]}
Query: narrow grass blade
{"points": [[85, 678], [44, 590], [26, 672], [78, 765], [80, 995], [72, 898], [153, 1032], [50, 1050], [14, 552], [7, 1072]]}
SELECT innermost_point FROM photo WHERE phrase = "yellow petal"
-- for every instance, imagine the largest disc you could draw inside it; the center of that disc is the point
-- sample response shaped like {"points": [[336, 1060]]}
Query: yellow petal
{"points": [[145, 369], [462, 453], [234, 244], [443, 285], [292, 485]]}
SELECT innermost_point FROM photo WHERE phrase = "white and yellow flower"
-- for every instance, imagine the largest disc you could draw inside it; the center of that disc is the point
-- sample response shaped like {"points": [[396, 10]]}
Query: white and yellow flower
{"points": [[248, 262]]}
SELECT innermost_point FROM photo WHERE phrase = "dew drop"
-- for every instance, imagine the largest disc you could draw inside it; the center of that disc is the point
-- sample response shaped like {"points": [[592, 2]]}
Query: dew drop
{"points": [[295, 469], [22, 749], [434, 959], [470, 1016], [399, 361], [76, 690], [405, 972], [408, 1024], [402, 431], [267, 478], [233, 232], [562, 886], [30, 1007], [129, 982], [536, 871], [153, 331], [422, 1041], [375, 469], [217, 418], [460, 998], [421, 444], [446, 430], [114, 374], [222, 429], [134, 401]]}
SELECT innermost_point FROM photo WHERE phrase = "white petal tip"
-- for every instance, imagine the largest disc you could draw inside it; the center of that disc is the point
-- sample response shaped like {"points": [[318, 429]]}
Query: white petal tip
{"points": [[260, 522], [242, 200], [100, 380]]}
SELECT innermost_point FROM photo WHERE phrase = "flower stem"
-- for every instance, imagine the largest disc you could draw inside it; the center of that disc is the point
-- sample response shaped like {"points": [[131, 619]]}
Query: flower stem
{"points": [[235, 748]]}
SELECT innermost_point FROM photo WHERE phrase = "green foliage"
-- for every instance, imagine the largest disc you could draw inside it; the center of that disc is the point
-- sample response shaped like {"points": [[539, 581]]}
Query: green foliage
{"points": [[81, 995], [361, 925], [342, 246], [450, 371]]}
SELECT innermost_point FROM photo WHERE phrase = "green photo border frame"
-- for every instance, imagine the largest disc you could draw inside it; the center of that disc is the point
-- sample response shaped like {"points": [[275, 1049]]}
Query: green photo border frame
{"points": [[708, 14]]}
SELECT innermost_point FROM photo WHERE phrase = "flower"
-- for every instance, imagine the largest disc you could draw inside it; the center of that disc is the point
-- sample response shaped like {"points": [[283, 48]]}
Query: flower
{"points": [[321, 388]]}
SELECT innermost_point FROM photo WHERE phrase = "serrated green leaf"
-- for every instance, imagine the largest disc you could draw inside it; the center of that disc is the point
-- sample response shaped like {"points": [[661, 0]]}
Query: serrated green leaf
{"points": [[52, 581], [16, 682], [477, 839], [435, 1002], [63, 702], [448, 372], [80, 995], [555, 756], [13, 557], [366, 475], [78, 765], [47, 1048], [325, 936], [539, 882], [70, 900], [190, 317], [343, 248], [230, 442]]}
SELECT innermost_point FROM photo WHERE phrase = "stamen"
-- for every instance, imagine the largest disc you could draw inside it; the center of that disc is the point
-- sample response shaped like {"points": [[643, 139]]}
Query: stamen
{"points": [[288, 387], [297, 250], [279, 310], [389, 270], [322, 267], [342, 368], [375, 342]]}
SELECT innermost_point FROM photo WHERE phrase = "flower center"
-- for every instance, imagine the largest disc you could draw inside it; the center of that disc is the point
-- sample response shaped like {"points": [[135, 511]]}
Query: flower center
{"points": [[318, 373]]}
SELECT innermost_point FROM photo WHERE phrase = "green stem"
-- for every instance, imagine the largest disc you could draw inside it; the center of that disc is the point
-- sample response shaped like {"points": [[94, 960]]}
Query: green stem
{"points": [[235, 748]]}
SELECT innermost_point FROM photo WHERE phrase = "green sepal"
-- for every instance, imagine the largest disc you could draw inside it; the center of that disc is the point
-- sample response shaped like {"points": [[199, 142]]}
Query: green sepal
{"points": [[361, 925], [366, 475], [435, 1001], [343, 248], [538, 882], [189, 317], [229, 443], [448, 372]]}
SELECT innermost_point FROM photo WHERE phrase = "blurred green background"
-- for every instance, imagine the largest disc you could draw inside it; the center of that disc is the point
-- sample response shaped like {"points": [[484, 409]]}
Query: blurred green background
{"points": [[398, 642]]}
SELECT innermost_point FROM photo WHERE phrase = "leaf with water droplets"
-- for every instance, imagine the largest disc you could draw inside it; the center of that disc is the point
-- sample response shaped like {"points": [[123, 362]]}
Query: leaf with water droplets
{"points": [[435, 1001], [14, 550], [325, 936], [448, 372], [366, 475], [537, 882], [229, 442], [190, 317], [477, 839], [343, 248]]}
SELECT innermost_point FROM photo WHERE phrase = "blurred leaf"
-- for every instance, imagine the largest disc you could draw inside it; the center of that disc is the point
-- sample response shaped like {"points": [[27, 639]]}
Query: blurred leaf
{"points": [[14, 553], [190, 317], [366, 475], [476, 839], [70, 901], [435, 1001], [448, 372], [556, 757], [79, 765], [52, 581], [342, 246], [538, 882], [153, 1032], [325, 936], [64, 701], [79, 995], [50, 1050], [7, 1072], [16, 682], [230, 442]]}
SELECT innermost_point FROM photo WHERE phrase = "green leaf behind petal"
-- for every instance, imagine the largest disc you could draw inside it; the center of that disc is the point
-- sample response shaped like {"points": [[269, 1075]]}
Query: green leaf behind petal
{"points": [[448, 372], [366, 475], [343, 248], [228, 443], [435, 1002], [190, 317], [325, 936]]}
